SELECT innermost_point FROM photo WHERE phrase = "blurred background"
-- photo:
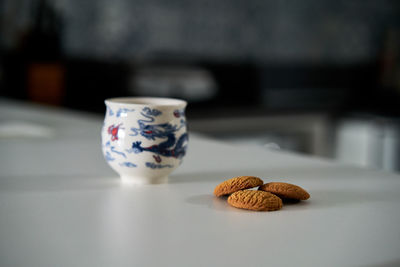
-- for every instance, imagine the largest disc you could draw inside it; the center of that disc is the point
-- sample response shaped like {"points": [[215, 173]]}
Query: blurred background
{"points": [[318, 77]]}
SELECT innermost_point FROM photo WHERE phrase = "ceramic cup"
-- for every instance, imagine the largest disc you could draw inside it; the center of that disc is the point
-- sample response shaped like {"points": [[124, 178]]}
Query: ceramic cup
{"points": [[144, 138]]}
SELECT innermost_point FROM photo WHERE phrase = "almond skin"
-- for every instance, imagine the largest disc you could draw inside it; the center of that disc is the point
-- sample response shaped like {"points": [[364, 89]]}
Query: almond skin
{"points": [[285, 190], [237, 183], [255, 200]]}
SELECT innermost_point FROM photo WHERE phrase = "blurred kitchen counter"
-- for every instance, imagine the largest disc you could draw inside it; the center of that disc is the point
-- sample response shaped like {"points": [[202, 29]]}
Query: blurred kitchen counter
{"points": [[309, 133]]}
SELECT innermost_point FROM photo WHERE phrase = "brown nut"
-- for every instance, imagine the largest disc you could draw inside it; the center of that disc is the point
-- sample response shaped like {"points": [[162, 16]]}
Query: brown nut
{"points": [[255, 200], [285, 190], [235, 184]]}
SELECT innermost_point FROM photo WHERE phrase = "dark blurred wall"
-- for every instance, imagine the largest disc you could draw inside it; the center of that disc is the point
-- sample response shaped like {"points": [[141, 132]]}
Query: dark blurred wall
{"points": [[282, 46], [344, 31]]}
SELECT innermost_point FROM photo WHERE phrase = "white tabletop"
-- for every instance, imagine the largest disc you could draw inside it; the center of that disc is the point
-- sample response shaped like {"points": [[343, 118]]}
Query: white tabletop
{"points": [[61, 205]]}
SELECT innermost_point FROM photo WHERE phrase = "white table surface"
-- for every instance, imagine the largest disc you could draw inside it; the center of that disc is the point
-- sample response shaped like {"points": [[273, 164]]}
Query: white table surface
{"points": [[61, 205]]}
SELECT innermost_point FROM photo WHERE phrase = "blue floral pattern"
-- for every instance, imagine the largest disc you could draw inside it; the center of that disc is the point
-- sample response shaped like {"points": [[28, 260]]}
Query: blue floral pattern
{"points": [[172, 143], [158, 166]]}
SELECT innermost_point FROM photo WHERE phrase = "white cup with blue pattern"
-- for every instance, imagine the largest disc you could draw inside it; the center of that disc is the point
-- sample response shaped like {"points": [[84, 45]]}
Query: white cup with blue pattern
{"points": [[144, 138]]}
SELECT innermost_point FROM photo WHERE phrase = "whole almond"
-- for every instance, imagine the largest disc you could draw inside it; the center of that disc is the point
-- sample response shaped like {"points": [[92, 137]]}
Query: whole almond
{"points": [[255, 200], [285, 190], [237, 183]]}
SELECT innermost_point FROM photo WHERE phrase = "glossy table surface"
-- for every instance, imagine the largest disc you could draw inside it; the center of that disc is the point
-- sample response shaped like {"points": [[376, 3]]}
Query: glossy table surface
{"points": [[61, 205]]}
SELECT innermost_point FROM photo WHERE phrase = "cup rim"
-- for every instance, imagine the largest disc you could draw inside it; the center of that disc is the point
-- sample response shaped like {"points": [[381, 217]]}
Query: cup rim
{"points": [[146, 101]]}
